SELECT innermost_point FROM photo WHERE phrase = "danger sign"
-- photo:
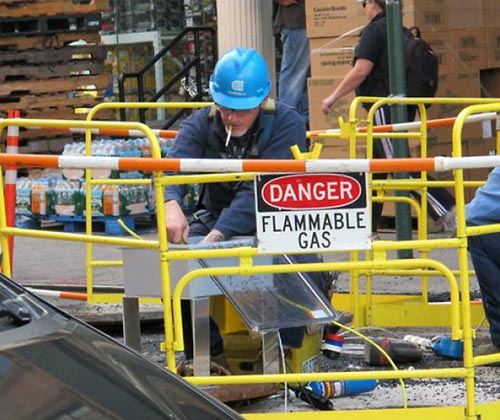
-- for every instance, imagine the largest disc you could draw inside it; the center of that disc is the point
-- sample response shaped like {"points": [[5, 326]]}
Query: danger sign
{"points": [[312, 212]]}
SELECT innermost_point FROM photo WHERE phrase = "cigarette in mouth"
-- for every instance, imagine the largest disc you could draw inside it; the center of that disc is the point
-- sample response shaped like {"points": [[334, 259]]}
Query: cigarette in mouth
{"points": [[229, 129]]}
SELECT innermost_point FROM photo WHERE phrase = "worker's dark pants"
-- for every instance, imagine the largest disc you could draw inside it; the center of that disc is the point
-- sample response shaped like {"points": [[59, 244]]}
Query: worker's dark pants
{"points": [[485, 253], [290, 337], [439, 200]]}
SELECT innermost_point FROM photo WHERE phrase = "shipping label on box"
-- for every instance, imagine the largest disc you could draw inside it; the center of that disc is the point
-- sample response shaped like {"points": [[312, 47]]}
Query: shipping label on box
{"points": [[466, 51], [439, 15], [427, 15], [332, 57], [326, 18]]}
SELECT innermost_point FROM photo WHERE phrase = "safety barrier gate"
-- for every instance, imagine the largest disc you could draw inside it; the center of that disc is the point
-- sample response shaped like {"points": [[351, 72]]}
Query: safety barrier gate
{"points": [[228, 170], [395, 310]]}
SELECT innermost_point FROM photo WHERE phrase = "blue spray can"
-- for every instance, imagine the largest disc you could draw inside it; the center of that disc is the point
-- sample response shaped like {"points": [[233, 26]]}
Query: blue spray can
{"points": [[335, 389]]}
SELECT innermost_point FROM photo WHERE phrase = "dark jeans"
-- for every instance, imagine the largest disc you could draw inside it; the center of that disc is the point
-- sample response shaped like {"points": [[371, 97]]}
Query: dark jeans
{"points": [[485, 253], [291, 337]]}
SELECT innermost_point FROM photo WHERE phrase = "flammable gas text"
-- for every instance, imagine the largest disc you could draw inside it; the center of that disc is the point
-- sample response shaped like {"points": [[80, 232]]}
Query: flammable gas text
{"points": [[315, 228]]}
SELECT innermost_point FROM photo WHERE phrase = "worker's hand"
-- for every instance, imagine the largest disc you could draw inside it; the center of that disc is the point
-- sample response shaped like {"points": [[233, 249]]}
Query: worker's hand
{"points": [[326, 105], [213, 236], [177, 224]]}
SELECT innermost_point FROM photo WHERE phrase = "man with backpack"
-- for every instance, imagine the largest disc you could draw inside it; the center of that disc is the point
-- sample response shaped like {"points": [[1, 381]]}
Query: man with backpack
{"points": [[370, 77], [243, 124]]}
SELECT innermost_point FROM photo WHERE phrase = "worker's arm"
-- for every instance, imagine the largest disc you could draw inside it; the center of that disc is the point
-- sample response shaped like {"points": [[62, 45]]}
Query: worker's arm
{"points": [[351, 81]]}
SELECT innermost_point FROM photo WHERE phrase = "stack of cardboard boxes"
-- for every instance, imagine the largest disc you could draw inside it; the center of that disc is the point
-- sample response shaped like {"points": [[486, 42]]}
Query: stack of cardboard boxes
{"points": [[465, 36]]}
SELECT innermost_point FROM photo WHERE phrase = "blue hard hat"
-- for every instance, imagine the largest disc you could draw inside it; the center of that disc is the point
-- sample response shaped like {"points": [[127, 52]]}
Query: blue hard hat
{"points": [[240, 80]]}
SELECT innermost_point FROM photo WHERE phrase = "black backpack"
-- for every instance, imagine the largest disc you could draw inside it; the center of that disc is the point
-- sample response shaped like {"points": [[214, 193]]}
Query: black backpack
{"points": [[422, 65]]}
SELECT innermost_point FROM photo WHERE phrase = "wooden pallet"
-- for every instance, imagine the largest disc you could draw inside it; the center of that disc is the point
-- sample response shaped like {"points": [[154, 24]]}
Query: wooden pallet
{"points": [[57, 63], [107, 224], [21, 8], [28, 72], [20, 43], [77, 84], [53, 55], [72, 224], [13, 26]]}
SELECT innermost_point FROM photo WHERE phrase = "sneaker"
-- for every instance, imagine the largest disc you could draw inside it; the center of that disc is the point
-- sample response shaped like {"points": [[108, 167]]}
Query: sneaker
{"points": [[186, 369], [445, 224], [449, 220]]}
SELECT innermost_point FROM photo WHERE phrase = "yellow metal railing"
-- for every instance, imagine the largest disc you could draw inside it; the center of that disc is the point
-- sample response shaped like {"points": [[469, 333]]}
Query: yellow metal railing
{"points": [[459, 309]]}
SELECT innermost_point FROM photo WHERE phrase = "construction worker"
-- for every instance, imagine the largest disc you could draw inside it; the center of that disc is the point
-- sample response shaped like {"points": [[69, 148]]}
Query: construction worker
{"points": [[485, 253], [241, 125], [369, 76]]}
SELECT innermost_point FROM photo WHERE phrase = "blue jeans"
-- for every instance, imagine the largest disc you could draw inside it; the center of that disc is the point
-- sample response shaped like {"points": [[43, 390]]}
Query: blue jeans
{"points": [[295, 69], [485, 254]]}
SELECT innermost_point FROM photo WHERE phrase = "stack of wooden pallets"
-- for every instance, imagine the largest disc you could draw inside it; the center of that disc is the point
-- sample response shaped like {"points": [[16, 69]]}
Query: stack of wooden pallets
{"points": [[52, 63]]}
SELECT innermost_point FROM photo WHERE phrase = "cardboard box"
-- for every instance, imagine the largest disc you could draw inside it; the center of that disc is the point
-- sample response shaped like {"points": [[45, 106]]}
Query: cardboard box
{"points": [[493, 47], [339, 149], [491, 13], [465, 50], [332, 57], [327, 18], [467, 14], [439, 15], [470, 47], [318, 89], [428, 15]]}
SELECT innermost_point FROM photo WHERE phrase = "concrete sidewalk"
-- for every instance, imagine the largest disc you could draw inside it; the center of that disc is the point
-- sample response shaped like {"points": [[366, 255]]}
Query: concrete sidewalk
{"points": [[53, 262]]}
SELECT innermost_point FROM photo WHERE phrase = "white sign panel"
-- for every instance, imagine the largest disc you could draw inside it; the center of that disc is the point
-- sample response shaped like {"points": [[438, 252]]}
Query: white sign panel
{"points": [[312, 212]]}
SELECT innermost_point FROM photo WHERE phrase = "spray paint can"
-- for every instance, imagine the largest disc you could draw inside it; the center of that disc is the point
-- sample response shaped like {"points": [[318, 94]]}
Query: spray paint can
{"points": [[332, 346], [335, 389]]}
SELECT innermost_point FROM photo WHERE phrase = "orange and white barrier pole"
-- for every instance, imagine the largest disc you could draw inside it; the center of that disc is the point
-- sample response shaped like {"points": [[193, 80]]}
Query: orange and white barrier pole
{"points": [[407, 126], [434, 164], [58, 294], [11, 178]]}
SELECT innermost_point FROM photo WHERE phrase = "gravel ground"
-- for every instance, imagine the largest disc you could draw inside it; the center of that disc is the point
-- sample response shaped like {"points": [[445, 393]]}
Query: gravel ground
{"points": [[63, 263]]}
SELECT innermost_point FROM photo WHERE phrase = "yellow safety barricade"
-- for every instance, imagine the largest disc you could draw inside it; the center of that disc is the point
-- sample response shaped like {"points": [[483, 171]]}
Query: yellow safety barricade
{"points": [[459, 311]]}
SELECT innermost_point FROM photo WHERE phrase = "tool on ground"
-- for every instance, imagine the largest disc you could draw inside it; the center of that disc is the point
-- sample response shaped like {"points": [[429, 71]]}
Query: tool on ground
{"points": [[332, 346], [335, 389], [445, 346], [399, 351], [313, 398], [425, 343]]}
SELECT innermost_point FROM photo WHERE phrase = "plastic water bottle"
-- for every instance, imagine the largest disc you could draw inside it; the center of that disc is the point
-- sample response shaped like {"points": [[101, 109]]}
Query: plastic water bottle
{"points": [[335, 389]]}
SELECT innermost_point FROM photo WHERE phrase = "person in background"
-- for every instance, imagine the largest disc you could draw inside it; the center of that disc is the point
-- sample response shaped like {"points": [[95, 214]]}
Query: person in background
{"points": [[369, 76], [484, 209], [290, 23], [241, 125]]}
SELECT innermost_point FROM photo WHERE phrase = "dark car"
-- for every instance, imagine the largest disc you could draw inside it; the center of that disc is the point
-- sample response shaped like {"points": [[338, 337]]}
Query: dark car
{"points": [[53, 366]]}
